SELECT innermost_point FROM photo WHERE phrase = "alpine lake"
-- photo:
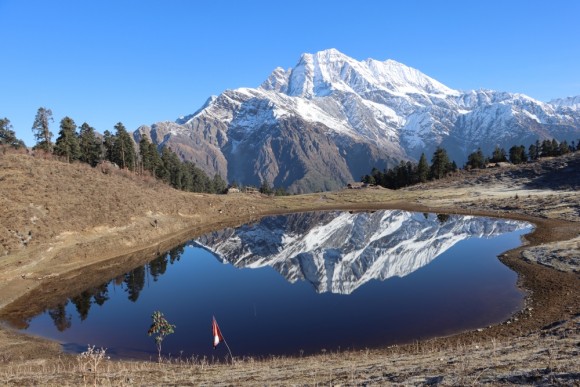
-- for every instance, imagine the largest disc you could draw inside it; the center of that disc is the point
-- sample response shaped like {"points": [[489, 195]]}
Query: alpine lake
{"points": [[300, 284]]}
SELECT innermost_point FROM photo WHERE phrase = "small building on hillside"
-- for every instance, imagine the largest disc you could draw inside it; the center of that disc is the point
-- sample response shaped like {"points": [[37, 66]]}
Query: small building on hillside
{"points": [[251, 190], [356, 185], [233, 190], [501, 164]]}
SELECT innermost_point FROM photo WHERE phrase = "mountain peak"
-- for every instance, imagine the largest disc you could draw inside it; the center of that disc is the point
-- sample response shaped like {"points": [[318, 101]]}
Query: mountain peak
{"points": [[331, 118], [326, 71]]}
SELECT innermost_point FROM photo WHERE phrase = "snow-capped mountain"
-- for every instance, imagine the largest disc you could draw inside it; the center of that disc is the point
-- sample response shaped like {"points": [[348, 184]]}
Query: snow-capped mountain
{"points": [[331, 118], [338, 251]]}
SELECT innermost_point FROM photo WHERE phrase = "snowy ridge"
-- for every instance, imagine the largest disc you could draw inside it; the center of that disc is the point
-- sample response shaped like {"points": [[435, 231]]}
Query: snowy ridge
{"points": [[338, 252], [572, 103], [368, 114]]}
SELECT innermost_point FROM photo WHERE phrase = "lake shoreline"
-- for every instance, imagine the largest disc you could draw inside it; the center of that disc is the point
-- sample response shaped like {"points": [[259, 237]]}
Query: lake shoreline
{"points": [[64, 247], [537, 293]]}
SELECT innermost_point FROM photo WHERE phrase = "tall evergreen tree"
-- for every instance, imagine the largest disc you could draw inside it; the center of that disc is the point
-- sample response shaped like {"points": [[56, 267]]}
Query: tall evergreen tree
{"points": [[265, 187], [108, 145], [453, 167], [41, 129], [219, 184], [422, 169], [154, 159], [518, 154], [145, 154], [200, 181], [534, 152], [7, 135], [498, 155], [476, 160], [555, 147], [67, 143], [563, 148], [90, 145], [547, 150], [164, 169], [440, 164], [176, 172], [123, 152], [538, 149], [367, 179]]}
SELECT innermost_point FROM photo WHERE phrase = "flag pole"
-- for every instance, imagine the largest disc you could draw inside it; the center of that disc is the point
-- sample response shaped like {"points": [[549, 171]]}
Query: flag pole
{"points": [[221, 335], [228, 347]]}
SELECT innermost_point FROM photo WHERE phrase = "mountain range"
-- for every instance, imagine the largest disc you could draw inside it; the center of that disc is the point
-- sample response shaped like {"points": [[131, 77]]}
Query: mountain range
{"points": [[330, 119], [339, 251]]}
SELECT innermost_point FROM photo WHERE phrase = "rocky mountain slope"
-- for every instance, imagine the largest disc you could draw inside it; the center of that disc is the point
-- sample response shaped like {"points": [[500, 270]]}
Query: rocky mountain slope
{"points": [[331, 118], [339, 251]]}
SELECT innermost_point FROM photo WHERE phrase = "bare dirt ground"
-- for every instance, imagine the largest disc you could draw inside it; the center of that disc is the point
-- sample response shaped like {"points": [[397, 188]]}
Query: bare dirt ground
{"points": [[61, 221]]}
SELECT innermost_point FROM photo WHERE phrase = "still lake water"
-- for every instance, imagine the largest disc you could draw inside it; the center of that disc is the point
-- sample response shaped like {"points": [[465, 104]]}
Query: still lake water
{"points": [[303, 283]]}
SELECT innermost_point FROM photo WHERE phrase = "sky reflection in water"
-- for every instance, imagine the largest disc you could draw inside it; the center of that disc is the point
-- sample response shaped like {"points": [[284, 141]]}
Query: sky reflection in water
{"points": [[304, 282]]}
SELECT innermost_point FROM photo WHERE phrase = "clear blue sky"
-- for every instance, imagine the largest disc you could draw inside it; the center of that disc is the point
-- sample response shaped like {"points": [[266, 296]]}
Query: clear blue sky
{"points": [[140, 62]]}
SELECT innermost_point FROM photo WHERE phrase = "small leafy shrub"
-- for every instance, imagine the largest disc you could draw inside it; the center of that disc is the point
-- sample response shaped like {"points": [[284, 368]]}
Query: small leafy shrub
{"points": [[159, 329]]}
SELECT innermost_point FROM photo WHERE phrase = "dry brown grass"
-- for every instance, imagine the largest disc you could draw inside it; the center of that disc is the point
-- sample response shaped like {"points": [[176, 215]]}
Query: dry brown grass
{"points": [[63, 221], [548, 357]]}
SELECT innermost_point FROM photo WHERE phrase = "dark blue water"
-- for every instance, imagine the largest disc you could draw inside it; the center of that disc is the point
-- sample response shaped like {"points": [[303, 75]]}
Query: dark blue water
{"points": [[260, 312]]}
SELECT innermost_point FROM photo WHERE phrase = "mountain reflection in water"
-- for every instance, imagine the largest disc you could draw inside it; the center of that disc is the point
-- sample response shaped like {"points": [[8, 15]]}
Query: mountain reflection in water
{"points": [[258, 279], [339, 251]]}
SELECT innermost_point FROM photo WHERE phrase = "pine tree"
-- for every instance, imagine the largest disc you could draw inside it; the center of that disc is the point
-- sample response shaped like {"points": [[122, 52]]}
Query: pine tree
{"points": [[563, 148], [534, 152], [219, 185], [555, 147], [199, 180], [265, 188], [476, 160], [108, 144], [498, 155], [41, 129], [163, 171], [175, 171], [7, 135], [517, 154], [440, 164], [67, 143], [123, 152], [154, 159], [422, 169], [90, 145], [367, 179], [145, 154], [187, 176], [538, 149], [453, 167], [546, 149]]}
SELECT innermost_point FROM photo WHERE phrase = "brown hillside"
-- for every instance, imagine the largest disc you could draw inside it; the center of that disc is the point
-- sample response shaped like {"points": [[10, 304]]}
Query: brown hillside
{"points": [[67, 221]]}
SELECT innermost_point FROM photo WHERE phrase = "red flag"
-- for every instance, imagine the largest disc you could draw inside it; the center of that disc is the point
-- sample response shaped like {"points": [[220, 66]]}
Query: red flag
{"points": [[217, 334]]}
